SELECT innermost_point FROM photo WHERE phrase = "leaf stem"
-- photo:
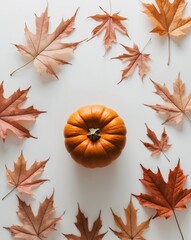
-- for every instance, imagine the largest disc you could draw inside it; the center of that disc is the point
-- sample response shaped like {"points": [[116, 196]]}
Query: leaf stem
{"points": [[110, 8], [145, 46], [165, 156], [178, 225], [11, 74], [168, 63], [9, 193], [187, 117]]}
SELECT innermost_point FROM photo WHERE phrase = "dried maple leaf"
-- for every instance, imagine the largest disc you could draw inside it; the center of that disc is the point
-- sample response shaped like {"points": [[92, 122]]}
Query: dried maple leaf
{"points": [[176, 106], [82, 226], [11, 114], [24, 179], [110, 23], [46, 50], [167, 18], [35, 227], [158, 146], [130, 230], [165, 197], [135, 59]]}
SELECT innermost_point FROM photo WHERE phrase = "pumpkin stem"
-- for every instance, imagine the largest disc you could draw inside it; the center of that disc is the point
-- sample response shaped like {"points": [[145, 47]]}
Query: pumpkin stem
{"points": [[93, 134]]}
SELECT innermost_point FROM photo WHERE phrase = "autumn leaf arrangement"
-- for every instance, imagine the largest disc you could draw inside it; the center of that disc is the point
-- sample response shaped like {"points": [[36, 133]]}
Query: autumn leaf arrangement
{"points": [[40, 225], [46, 51]]}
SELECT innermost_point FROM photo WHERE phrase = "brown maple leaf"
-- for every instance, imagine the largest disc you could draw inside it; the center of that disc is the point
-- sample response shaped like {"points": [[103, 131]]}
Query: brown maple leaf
{"points": [[110, 23], [167, 18], [130, 230], [177, 105], [165, 197], [135, 59], [35, 227], [158, 146], [24, 179], [11, 114], [46, 50], [82, 226]]}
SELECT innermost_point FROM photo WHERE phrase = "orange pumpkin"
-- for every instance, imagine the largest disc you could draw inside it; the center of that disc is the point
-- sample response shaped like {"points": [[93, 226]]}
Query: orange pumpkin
{"points": [[95, 136]]}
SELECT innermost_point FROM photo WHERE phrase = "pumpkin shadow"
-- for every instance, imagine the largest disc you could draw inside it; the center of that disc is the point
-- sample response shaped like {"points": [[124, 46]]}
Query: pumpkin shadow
{"points": [[97, 187]]}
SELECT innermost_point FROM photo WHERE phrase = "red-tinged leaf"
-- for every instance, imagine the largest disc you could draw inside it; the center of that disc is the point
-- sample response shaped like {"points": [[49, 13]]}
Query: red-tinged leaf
{"points": [[158, 146], [35, 226], [11, 114], [82, 226], [109, 23], [165, 197]]}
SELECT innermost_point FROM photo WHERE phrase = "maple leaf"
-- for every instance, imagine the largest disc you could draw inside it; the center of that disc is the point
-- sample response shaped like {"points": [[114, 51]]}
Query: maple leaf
{"points": [[165, 197], [130, 230], [110, 23], [24, 180], [46, 50], [135, 59], [35, 227], [11, 114], [176, 106], [82, 226], [167, 18], [158, 146]]}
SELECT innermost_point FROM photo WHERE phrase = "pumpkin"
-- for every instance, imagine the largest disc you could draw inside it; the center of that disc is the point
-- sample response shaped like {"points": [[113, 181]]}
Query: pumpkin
{"points": [[94, 136]]}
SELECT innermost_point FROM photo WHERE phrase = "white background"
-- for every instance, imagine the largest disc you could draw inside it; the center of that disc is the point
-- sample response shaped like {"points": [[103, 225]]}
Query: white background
{"points": [[92, 79]]}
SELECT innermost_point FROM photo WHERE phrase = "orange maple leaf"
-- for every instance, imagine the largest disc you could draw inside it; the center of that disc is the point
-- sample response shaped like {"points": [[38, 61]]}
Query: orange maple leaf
{"points": [[110, 23], [82, 225], [177, 105], [158, 146], [130, 230], [11, 114], [35, 227], [135, 59], [165, 197], [167, 18], [24, 179], [46, 50]]}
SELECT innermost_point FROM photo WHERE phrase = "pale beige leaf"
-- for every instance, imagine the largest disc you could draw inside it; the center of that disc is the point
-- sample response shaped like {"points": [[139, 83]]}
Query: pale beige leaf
{"points": [[176, 106], [47, 50], [24, 179]]}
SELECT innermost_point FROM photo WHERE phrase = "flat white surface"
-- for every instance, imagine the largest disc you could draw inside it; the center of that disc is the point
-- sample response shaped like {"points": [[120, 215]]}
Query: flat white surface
{"points": [[92, 78]]}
